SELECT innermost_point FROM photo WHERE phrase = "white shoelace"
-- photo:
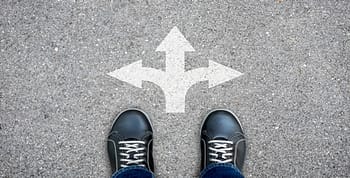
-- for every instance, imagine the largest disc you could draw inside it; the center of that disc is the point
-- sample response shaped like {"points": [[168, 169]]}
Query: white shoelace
{"points": [[220, 151], [133, 153]]}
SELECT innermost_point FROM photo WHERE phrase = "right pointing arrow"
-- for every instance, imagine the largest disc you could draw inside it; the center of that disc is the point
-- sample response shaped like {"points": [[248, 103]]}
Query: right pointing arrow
{"points": [[218, 74], [215, 73]]}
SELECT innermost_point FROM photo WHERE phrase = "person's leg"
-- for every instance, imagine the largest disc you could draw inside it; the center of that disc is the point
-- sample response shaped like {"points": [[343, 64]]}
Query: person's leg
{"points": [[221, 170], [129, 145], [133, 172], [223, 145]]}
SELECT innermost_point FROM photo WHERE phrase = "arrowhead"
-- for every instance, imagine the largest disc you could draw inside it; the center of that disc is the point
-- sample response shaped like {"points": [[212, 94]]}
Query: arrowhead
{"points": [[219, 74], [175, 41], [129, 74]]}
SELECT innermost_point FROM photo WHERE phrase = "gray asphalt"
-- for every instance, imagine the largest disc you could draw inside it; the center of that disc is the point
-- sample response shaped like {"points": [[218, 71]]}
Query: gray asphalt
{"points": [[57, 103]]}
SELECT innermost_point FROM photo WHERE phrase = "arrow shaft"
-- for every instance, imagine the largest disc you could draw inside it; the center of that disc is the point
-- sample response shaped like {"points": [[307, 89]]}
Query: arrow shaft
{"points": [[175, 62], [196, 75], [175, 100], [152, 75]]}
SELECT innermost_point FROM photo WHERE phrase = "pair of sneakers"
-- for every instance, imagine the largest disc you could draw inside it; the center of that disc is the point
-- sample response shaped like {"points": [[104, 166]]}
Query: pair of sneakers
{"points": [[130, 140]]}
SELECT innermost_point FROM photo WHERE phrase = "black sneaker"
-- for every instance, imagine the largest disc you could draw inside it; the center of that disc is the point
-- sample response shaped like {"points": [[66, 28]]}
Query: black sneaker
{"points": [[222, 139], [130, 141]]}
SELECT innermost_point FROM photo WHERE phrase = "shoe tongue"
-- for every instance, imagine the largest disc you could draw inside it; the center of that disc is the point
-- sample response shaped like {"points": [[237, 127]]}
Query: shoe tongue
{"points": [[132, 139], [220, 138]]}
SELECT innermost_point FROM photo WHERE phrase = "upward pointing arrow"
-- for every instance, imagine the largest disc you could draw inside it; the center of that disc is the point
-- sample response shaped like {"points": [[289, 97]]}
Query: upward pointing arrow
{"points": [[175, 82], [175, 45]]}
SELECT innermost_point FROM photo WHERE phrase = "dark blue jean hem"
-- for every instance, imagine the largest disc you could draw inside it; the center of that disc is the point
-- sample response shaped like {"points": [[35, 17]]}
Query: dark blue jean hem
{"points": [[221, 170], [217, 170], [133, 172]]}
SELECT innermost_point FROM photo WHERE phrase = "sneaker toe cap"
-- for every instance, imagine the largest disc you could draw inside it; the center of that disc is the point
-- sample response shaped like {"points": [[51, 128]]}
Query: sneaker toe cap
{"points": [[221, 124], [132, 123]]}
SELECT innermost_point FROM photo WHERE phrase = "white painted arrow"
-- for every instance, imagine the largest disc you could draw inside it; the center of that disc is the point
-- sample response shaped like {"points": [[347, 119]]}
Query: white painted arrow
{"points": [[175, 82], [134, 74], [215, 73], [175, 45]]}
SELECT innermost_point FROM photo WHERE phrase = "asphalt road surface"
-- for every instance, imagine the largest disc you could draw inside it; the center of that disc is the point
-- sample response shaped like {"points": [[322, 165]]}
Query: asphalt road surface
{"points": [[58, 103]]}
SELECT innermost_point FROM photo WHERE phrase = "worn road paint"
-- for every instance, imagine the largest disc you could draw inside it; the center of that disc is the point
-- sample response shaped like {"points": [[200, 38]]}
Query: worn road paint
{"points": [[174, 81]]}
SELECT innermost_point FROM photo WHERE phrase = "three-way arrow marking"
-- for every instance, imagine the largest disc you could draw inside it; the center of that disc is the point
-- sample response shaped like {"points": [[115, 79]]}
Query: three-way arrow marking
{"points": [[175, 81]]}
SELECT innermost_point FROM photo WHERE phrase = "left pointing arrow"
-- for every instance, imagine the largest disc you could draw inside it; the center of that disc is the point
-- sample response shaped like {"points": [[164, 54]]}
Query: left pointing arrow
{"points": [[134, 74]]}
